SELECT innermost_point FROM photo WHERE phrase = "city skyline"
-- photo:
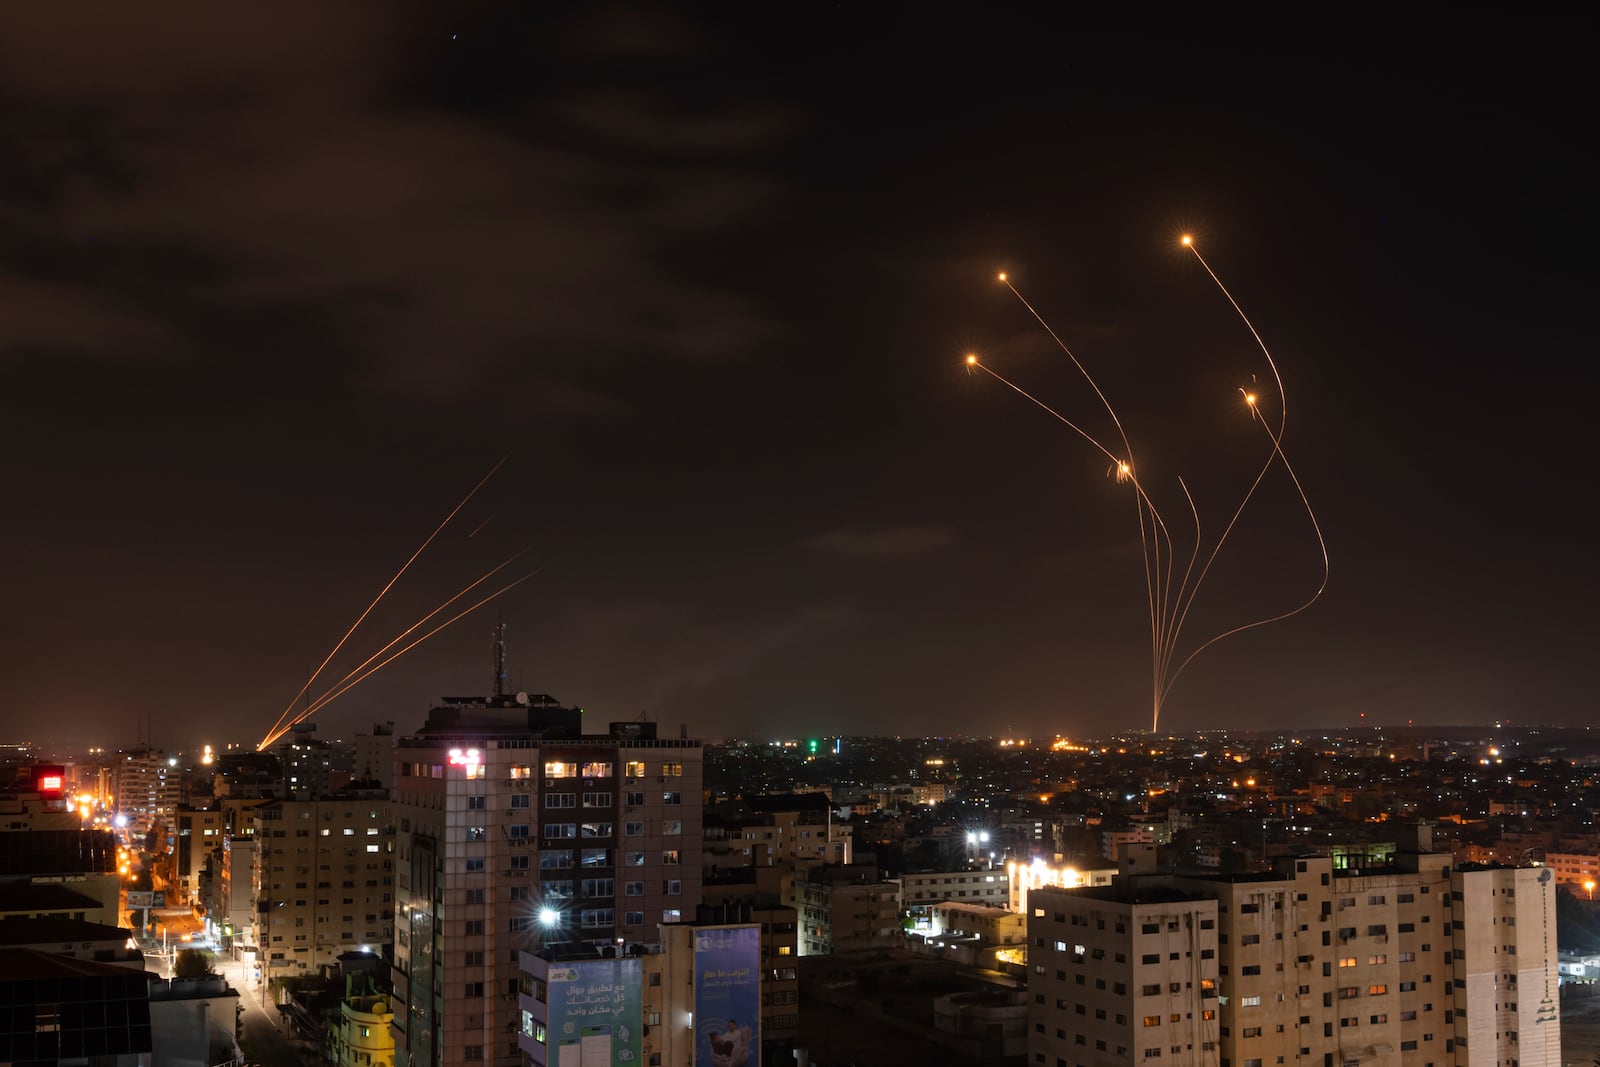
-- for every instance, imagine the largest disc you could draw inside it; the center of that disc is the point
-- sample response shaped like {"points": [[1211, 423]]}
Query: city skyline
{"points": [[281, 286]]}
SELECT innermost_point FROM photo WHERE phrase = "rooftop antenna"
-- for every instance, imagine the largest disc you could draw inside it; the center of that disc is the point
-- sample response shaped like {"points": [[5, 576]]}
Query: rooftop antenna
{"points": [[500, 656]]}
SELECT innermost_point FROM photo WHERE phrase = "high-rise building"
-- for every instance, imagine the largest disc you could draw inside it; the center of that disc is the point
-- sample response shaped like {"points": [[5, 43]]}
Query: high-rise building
{"points": [[516, 831], [307, 762], [199, 835], [324, 876], [147, 786], [374, 755], [1503, 943], [1408, 964]]}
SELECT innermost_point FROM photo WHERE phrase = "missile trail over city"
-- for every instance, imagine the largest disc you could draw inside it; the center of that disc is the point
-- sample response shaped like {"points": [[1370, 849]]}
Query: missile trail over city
{"points": [[339, 687], [281, 725], [358, 675], [1169, 607]]}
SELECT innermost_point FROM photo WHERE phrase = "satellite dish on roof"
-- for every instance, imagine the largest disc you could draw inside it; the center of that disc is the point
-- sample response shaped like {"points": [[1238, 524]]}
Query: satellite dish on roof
{"points": [[522, 698]]}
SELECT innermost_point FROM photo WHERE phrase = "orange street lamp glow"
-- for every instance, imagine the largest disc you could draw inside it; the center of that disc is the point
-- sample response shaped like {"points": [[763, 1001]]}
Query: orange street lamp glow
{"points": [[971, 359], [1002, 275], [1187, 240], [1250, 398]]}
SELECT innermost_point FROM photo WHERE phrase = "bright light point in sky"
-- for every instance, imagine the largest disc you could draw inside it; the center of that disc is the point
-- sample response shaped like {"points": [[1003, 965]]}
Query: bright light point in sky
{"points": [[1002, 275], [1250, 398], [1187, 240], [971, 359]]}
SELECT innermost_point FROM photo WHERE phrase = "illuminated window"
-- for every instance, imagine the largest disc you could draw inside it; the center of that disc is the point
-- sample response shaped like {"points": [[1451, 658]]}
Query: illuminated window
{"points": [[1152, 1020], [633, 769], [560, 769], [672, 770], [597, 770], [1347, 961], [1377, 990]]}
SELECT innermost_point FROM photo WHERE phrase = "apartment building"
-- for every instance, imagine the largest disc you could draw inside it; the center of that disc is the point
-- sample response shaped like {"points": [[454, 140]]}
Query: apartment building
{"points": [[1123, 974], [518, 832], [844, 909], [1506, 981], [921, 890], [323, 879], [1579, 871], [1412, 964], [147, 785], [231, 914], [199, 834], [788, 831]]}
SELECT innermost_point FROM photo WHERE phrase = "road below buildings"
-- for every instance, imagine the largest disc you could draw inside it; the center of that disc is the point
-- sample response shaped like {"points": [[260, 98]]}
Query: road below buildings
{"points": [[266, 1040]]}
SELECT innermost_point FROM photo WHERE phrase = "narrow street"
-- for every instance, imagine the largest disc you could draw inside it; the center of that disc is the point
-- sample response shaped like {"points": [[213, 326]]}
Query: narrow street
{"points": [[265, 1040]]}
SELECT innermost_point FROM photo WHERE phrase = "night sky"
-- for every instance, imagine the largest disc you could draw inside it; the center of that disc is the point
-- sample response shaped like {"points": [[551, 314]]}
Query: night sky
{"points": [[279, 285]]}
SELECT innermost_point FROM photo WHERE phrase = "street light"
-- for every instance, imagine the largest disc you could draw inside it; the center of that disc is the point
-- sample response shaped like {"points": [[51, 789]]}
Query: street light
{"points": [[1589, 885]]}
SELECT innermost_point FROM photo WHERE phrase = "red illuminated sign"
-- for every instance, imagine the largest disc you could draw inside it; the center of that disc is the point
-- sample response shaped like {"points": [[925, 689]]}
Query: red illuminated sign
{"points": [[50, 783]]}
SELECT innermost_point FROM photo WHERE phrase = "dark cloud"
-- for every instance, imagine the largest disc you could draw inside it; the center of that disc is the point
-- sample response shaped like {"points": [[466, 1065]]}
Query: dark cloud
{"points": [[63, 317], [438, 251], [889, 541]]}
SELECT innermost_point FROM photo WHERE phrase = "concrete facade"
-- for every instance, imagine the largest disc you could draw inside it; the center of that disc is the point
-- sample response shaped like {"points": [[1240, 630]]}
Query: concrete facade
{"points": [[517, 833], [323, 880], [1414, 964]]}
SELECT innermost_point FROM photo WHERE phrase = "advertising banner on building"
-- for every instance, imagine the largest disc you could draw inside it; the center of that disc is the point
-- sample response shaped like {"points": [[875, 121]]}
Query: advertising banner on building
{"points": [[727, 996], [596, 1013]]}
